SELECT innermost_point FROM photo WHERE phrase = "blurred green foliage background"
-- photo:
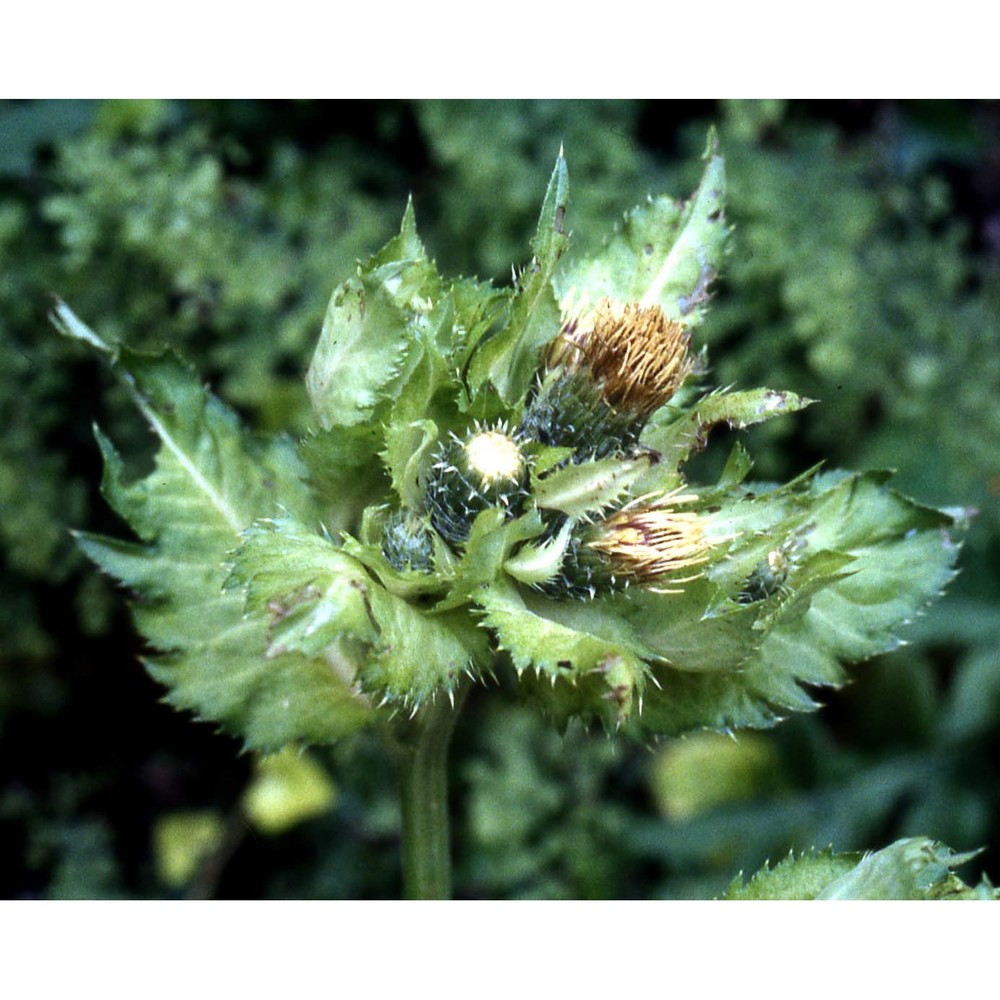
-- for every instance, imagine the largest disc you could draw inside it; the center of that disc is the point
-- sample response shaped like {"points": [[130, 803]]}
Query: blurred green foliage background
{"points": [[864, 271]]}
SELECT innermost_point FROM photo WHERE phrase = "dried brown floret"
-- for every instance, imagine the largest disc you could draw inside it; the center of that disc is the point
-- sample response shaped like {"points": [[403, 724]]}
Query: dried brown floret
{"points": [[637, 356], [644, 542]]}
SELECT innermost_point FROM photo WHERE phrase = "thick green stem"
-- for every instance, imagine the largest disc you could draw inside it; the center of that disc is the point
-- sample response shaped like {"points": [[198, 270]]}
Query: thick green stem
{"points": [[424, 789]]}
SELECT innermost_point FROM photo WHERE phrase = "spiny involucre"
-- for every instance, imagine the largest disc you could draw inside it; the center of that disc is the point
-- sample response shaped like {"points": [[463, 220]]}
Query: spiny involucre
{"points": [[496, 480]]}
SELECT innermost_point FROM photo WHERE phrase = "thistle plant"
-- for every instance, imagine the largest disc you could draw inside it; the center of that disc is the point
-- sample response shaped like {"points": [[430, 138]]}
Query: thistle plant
{"points": [[496, 483]]}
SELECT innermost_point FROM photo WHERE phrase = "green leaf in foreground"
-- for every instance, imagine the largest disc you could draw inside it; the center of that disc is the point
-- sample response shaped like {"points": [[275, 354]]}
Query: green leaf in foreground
{"points": [[321, 601], [910, 869], [210, 481], [594, 675]]}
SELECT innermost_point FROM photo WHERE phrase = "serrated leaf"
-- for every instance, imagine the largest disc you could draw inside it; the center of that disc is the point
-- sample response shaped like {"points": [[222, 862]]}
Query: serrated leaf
{"points": [[425, 385], [210, 481], [312, 592], [575, 672], [361, 348], [680, 630], [345, 470], [320, 600], [540, 562], [802, 877], [370, 344], [901, 556], [911, 869], [550, 240], [406, 456], [545, 456], [490, 543], [664, 252], [737, 467], [681, 437], [482, 312], [588, 487], [419, 656], [914, 868]]}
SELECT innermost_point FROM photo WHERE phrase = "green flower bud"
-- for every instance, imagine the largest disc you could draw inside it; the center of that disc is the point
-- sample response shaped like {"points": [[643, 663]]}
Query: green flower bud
{"points": [[407, 542], [768, 576], [485, 469]]}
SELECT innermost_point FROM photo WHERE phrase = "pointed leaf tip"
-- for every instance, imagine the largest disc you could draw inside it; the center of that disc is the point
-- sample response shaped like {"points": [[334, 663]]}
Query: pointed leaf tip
{"points": [[409, 224], [550, 238], [711, 143], [70, 325]]}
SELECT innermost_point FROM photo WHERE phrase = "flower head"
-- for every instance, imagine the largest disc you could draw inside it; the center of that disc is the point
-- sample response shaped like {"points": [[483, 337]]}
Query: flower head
{"points": [[605, 373], [636, 355], [643, 543], [493, 456]]}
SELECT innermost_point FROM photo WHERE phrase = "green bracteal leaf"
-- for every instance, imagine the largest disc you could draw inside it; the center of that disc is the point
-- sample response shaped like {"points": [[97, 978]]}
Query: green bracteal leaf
{"points": [[664, 252], [407, 454], [677, 437], [313, 594], [377, 329], [321, 601], [509, 359], [587, 488], [345, 470], [568, 670]]}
